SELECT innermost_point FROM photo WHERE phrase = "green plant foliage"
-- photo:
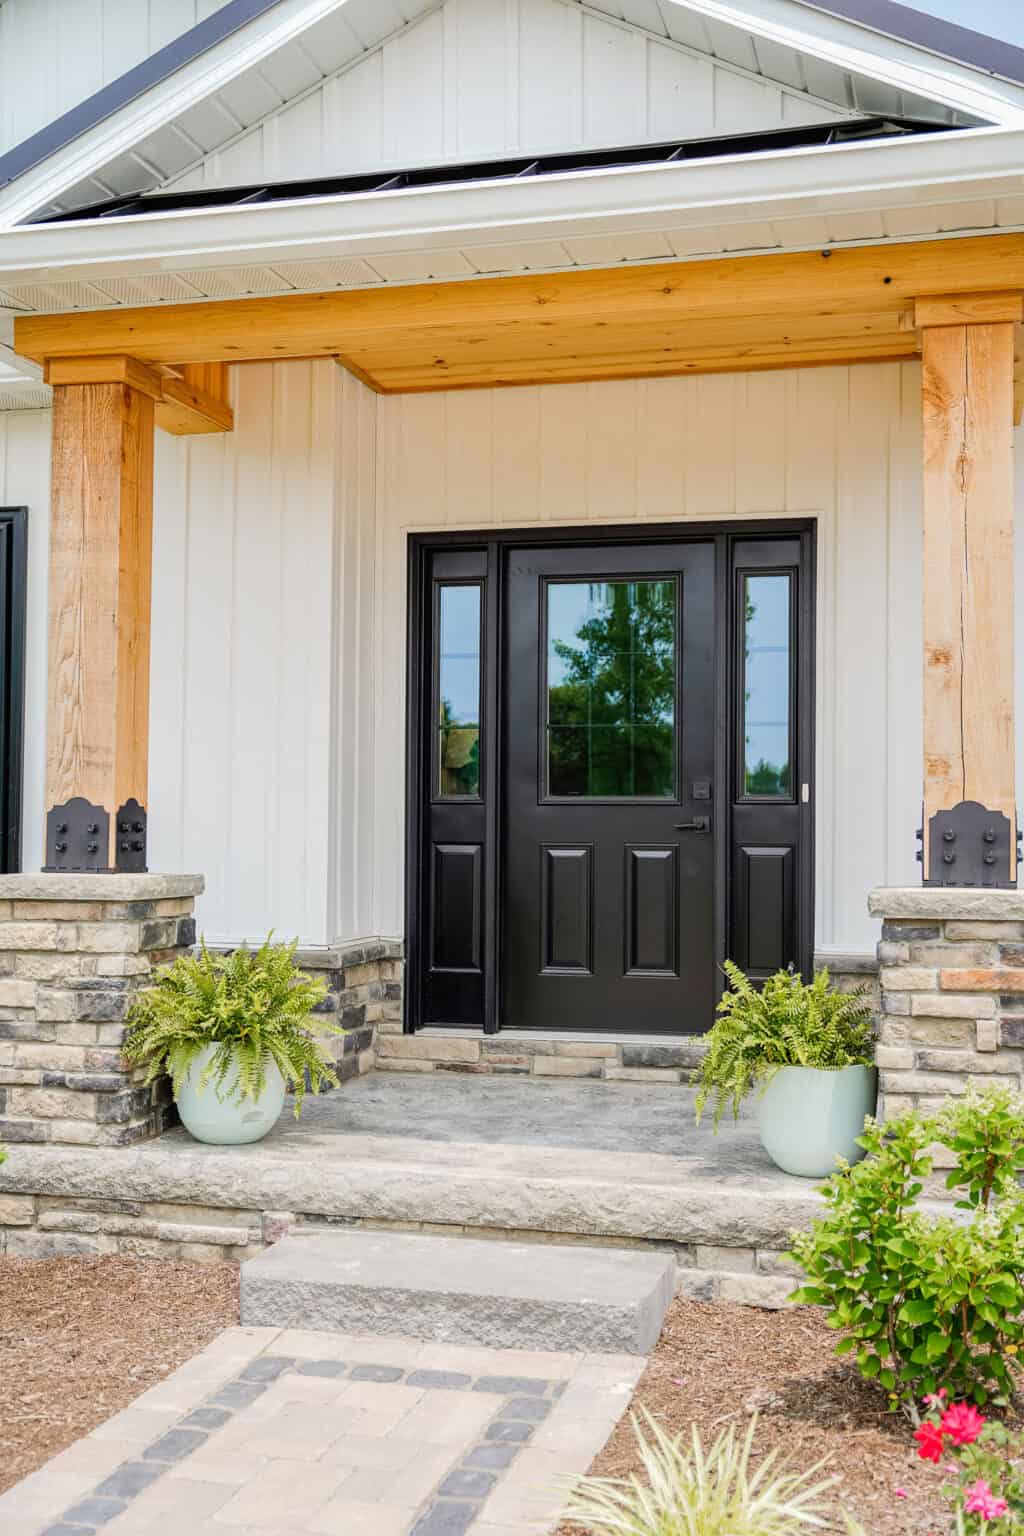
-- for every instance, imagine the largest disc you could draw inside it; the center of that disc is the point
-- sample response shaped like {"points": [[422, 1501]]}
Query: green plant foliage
{"points": [[922, 1300], [787, 1023], [255, 1007], [687, 1491], [3, 1153]]}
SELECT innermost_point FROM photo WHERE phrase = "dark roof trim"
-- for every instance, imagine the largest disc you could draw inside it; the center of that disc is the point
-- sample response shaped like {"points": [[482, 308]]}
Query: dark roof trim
{"points": [[128, 87], [946, 38], [522, 168]]}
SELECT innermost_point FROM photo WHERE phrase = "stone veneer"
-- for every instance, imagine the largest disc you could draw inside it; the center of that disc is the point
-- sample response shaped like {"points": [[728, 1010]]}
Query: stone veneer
{"points": [[74, 950], [535, 1054], [951, 972]]}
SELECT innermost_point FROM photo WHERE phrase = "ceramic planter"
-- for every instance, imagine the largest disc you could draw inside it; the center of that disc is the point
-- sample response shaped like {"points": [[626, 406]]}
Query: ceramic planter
{"points": [[808, 1118], [227, 1121]]}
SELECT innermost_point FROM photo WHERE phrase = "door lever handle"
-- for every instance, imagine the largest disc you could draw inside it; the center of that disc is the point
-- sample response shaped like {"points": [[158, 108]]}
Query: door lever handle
{"points": [[698, 824]]}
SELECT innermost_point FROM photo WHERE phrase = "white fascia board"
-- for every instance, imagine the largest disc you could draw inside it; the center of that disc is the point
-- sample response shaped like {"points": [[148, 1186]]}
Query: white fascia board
{"points": [[947, 167], [193, 83], [859, 49]]}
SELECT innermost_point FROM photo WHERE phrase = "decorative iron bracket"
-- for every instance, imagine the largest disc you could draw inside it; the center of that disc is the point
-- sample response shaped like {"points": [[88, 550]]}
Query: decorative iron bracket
{"points": [[77, 838], [969, 846], [130, 842]]}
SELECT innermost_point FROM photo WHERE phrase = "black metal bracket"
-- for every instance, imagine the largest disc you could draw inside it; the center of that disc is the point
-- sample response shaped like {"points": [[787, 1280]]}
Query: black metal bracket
{"points": [[130, 842], [969, 846], [77, 837]]}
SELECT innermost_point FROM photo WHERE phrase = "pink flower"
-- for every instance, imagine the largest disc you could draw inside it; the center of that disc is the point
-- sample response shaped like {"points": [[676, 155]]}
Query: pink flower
{"points": [[980, 1500], [936, 1399], [900, 1493], [929, 1442], [962, 1423]]}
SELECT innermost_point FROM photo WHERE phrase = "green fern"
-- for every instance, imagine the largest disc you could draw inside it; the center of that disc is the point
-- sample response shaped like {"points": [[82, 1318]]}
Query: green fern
{"points": [[785, 1023], [256, 1008]]}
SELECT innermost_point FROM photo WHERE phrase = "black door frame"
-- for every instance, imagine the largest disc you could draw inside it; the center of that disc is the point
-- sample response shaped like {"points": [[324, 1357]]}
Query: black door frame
{"points": [[419, 679]]}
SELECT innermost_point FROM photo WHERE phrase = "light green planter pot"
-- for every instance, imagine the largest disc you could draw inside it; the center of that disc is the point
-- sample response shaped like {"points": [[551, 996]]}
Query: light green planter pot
{"points": [[227, 1121], [808, 1118]]}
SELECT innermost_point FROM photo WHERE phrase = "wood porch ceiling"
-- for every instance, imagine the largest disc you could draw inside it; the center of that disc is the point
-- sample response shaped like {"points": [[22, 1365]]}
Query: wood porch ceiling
{"points": [[834, 306]]}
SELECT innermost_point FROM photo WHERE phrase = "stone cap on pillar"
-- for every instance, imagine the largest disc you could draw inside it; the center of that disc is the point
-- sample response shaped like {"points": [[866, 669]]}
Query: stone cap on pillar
{"points": [[100, 887], [952, 902]]}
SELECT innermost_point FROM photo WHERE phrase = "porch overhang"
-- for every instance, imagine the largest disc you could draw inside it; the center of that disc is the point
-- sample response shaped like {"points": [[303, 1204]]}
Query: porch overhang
{"points": [[795, 310]]}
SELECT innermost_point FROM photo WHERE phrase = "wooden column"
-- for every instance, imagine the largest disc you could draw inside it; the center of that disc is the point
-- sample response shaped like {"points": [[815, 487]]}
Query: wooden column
{"points": [[967, 384], [101, 531]]}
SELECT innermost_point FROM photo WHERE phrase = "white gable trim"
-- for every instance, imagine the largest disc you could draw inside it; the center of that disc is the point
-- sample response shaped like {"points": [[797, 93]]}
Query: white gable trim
{"points": [[826, 37], [852, 46]]}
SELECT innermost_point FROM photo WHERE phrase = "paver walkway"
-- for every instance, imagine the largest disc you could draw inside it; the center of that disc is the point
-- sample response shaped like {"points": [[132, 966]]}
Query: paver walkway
{"points": [[288, 1433]]}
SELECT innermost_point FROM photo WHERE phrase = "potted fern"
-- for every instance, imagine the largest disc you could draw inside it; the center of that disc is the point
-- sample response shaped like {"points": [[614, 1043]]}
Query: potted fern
{"points": [[809, 1049], [232, 1032]]}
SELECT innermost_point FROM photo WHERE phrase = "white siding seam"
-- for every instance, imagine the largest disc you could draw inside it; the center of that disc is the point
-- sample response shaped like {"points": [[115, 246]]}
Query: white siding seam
{"points": [[289, 102], [726, 65]]}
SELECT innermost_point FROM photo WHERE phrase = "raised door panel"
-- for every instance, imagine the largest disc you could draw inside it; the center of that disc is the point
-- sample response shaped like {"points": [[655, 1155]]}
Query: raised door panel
{"points": [[457, 889], [567, 895], [652, 911], [765, 908]]}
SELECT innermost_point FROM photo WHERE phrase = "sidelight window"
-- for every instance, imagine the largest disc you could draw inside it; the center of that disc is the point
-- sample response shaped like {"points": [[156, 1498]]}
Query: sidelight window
{"points": [[458, 706], [610, 724], [767, 686]]}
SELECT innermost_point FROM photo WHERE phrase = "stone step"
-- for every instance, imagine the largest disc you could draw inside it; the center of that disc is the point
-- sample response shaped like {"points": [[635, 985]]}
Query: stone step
{"points": [[499, 1294]]}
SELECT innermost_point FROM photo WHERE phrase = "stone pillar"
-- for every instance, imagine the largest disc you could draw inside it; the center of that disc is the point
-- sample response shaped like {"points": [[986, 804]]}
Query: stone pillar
{"points": [[74, 950], [951, 973]]}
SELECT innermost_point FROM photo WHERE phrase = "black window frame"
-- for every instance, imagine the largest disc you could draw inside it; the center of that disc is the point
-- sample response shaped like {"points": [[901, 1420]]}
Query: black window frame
{"points": [[13, 618]]}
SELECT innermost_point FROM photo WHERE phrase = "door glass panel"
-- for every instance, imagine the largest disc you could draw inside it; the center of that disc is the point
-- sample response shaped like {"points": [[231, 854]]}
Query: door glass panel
{"points": [[459, 691], [766, 687], [611, 689]]}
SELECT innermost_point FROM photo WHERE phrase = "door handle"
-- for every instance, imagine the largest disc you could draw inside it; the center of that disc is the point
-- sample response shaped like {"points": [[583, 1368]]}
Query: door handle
{"points": [[698, 824]]}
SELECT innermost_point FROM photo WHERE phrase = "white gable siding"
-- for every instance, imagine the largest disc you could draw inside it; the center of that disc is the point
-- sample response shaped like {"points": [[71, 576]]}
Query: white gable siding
{"points": [[481, 78], [55, 53]]}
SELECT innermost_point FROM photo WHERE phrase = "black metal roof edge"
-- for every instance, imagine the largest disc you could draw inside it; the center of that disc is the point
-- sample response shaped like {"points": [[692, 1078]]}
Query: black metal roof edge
{"points": [[520, 167], [948, 39], [128, 87]]}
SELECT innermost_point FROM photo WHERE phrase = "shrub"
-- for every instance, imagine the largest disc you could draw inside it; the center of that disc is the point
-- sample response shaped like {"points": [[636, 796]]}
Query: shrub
{"points": [[254, 1007], [921, 1297], [787, 1023], [687, 1491]]}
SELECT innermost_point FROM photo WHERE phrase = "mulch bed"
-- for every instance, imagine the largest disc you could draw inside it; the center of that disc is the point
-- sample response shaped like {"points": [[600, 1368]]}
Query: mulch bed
{"points": [[715, 1366], [80, 1338]]}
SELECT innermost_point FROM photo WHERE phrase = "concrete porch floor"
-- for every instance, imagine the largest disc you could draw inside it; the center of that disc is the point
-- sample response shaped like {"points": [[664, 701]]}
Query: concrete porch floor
{"points": [[570, 1160]]}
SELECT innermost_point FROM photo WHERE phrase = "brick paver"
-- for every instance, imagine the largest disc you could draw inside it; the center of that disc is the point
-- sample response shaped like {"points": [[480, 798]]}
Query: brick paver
{"points": [[293, 1433]]}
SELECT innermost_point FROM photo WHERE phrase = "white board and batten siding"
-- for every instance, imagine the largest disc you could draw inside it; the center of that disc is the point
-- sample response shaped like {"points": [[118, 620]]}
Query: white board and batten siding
{"points": [[474, 79], [277, 742], [54, 55]]}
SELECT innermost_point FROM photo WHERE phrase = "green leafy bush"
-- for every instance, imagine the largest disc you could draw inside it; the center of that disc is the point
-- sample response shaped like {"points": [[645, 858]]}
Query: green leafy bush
{"points": [[255, 1007], [687, 1491], [787, 1023], [923, 1299]]}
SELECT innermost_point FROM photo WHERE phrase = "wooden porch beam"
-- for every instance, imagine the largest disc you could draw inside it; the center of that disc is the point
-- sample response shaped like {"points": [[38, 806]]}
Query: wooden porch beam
{"points": [[968, 388], [826, 285], [196, 400], [190, 399], [99, 621]]}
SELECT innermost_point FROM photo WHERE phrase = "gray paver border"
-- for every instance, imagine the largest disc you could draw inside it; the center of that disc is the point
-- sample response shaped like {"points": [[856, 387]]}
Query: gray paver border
{"points": [[449, 1510]]}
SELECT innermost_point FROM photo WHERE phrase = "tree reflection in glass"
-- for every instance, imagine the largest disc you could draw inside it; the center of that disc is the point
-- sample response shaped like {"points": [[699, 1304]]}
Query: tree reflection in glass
{"points": [[459, 689], [766, 690], [611, 698]]}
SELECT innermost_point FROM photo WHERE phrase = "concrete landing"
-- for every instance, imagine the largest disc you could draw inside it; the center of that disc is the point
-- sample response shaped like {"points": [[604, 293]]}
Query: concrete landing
{"points": [[499, 1294]]}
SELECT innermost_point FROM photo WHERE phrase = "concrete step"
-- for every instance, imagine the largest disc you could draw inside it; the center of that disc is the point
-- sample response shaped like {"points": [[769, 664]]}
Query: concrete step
{"points": [[461, 1290]]}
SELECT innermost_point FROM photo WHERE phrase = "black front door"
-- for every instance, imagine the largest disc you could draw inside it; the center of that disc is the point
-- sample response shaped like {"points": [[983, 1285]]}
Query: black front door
{"points": [[608, 917], [610, 773]]}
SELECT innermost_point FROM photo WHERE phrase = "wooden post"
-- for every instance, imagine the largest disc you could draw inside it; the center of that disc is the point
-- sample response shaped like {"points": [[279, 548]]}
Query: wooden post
{"points": [[101, 531], [967, 385]]}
